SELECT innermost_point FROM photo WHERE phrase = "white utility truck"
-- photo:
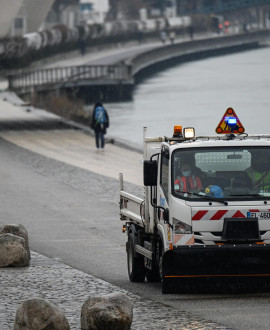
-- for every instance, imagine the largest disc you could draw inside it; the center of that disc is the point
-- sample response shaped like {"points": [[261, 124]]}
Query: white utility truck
{"points": [[205, 215]]}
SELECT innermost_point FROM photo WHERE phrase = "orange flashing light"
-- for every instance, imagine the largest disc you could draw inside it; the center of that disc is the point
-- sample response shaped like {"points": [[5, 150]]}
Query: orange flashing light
{"points": [[177, 130], [124, 229], [171, 246]]}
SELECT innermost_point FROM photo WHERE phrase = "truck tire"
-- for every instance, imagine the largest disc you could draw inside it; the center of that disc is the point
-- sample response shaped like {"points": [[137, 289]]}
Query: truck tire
{"points": [[136, 269]]}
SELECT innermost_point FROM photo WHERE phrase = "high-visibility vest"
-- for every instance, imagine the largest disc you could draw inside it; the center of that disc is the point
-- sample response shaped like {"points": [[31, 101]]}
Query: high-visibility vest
{"points": [[189, 184], [255, 177]]}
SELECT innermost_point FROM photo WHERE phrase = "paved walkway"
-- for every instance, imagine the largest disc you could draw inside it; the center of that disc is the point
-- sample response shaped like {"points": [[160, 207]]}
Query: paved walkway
{"points": [[107, 54], [66, 144]]}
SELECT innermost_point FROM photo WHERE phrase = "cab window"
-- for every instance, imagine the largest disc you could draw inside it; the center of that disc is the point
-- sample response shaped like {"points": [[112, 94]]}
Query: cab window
{"points": [[230, 173]]}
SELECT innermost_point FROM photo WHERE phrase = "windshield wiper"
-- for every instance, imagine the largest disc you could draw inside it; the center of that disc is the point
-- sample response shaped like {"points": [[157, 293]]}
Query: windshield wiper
{"points": [[203, 195], [213, 199], [250, 195]]}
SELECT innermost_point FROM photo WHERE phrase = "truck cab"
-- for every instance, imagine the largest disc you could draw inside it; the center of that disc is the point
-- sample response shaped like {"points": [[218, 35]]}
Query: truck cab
{"points": [[222, 183]]}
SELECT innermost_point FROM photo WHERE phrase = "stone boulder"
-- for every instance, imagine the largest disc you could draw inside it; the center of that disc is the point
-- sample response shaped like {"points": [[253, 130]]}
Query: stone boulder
{"points": [[38, 314], [13, 252], [18, 230], [109, 312]]}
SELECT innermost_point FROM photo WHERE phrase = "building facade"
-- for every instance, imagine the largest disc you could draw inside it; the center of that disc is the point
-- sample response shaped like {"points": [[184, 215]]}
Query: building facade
{"points": [[19, 17], [93, 11]]}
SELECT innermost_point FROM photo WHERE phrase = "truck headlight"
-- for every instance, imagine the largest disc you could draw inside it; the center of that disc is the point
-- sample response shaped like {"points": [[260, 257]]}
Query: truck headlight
{"points": [[180, 227]]}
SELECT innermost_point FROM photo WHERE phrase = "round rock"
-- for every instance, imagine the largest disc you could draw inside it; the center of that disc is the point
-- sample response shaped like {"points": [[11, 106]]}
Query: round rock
{"points": [[13, 252], [18, 230], [108, 312], [38, 314]]}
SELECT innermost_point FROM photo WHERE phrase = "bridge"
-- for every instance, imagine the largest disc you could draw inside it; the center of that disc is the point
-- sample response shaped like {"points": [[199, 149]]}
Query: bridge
{"points": [[116, 82], [188, 7], [105, 79]]}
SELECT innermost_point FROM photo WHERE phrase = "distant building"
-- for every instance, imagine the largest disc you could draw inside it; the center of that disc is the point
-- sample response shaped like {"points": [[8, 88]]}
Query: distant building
{"points": [[22, 16], [171, 8], [64, 12], [93, 11]]}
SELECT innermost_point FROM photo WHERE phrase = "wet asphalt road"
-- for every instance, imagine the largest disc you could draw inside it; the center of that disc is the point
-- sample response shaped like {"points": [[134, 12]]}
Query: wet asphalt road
{"points": [[72, 214]]}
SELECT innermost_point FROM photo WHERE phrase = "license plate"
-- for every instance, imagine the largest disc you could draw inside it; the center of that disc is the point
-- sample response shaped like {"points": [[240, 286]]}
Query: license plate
{"points": [[260, 215]]}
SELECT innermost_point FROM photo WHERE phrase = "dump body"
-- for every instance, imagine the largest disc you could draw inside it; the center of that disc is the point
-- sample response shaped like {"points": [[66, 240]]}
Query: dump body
{"points": [[213, 226]]}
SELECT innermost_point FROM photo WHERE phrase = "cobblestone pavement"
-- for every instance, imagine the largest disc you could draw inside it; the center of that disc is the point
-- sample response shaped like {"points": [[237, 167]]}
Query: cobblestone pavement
{"points": [[68, 288]]}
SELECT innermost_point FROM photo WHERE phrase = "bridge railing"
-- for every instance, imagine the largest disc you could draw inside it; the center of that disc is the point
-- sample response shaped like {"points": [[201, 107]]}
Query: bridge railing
{"points": [[62, 75]]}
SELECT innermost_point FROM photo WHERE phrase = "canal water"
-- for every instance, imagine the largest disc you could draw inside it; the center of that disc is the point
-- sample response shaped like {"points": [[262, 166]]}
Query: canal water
{"points": [[197, 94]]}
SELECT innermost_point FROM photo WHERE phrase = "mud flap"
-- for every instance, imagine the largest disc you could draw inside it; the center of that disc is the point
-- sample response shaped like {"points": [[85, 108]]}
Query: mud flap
{"points": [[224, 268]]}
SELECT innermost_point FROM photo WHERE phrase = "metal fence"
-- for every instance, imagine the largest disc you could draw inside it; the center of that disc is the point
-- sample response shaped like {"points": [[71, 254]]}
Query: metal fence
{"points": [[61, 76]]}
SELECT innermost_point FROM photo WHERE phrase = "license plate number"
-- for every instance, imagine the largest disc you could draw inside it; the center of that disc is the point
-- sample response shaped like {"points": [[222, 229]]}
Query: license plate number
{"points": [[259, 215]]}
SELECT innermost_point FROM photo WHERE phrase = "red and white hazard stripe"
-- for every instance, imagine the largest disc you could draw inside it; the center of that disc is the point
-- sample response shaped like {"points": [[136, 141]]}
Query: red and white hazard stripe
{"points": [[221, 214], [186, 239]]}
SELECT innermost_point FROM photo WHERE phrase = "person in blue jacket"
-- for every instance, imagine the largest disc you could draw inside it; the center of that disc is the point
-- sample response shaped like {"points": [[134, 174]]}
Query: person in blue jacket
{"points": [[100, 123]]}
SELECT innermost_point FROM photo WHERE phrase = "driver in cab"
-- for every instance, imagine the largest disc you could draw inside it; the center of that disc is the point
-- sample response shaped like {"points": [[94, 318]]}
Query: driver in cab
{"points": [[188, 182]]}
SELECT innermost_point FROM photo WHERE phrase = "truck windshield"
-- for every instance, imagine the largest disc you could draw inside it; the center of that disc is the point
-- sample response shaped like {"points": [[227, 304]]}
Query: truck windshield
{"points": [[221, 173]]}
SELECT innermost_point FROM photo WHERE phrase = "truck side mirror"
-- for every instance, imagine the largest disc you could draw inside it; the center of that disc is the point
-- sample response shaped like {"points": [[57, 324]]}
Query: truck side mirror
{"points": [[150, 172]]}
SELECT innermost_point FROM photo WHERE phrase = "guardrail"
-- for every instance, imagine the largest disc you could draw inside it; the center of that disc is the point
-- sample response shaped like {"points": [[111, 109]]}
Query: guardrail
{"points": [[58, 77], [187, 50]]}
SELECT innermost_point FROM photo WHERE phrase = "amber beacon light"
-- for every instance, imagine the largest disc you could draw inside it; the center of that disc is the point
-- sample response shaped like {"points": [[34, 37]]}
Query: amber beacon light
{"points": [[177, 130]]}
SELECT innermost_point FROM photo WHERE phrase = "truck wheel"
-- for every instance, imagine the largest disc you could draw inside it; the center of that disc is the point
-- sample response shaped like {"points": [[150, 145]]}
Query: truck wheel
{"points": [[136, 269]]}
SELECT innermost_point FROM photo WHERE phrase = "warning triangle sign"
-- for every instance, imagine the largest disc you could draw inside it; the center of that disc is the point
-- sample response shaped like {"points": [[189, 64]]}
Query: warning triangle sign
{"points": [[230, 123]]}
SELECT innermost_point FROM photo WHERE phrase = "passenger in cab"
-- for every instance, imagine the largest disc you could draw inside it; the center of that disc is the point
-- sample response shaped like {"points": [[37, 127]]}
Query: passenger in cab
{"points": [[187, 181], [259, 172]]}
